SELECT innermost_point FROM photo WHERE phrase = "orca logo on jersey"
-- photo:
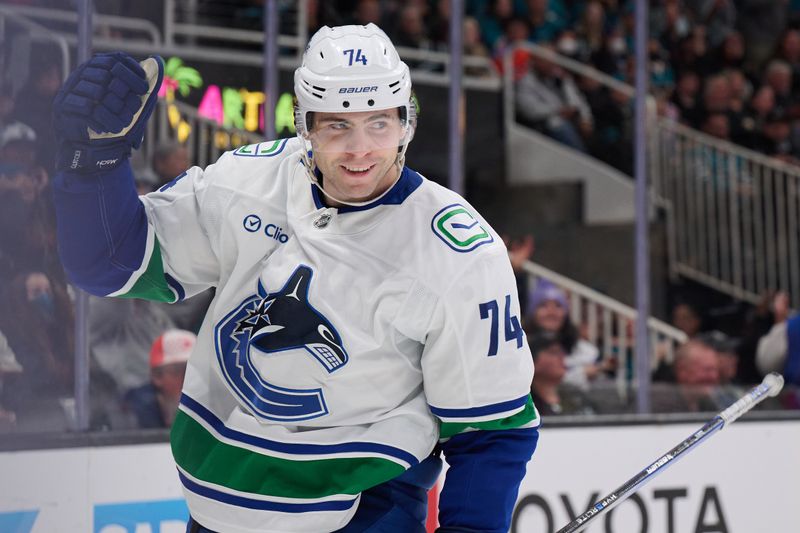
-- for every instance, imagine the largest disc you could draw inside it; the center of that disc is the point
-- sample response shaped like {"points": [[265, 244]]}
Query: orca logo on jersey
{"points": [[268, 323]]}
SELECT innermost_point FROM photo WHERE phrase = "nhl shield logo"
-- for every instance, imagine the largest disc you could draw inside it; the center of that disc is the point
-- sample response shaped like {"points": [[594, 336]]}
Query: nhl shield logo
{"points": [[268, 323]]}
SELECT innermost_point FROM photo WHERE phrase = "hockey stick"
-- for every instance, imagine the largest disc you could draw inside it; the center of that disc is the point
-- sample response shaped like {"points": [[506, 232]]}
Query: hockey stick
{"points": [[771, 386]]}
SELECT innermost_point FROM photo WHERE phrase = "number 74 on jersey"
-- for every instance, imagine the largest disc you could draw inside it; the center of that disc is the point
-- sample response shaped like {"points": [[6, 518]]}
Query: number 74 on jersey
{"points": [[511, 326]]}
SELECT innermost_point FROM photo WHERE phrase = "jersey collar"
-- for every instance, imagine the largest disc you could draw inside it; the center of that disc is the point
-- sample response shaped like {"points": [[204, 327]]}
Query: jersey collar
{"points": [[402, 189]]}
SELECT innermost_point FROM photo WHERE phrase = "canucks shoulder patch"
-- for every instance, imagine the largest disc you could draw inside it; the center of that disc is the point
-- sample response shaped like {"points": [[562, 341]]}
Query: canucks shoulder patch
{"points": [[459, 229], [265, 149]]}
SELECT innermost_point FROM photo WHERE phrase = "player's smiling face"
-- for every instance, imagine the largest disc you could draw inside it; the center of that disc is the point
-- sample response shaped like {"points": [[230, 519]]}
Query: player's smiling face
{"points": [[356, 152]]}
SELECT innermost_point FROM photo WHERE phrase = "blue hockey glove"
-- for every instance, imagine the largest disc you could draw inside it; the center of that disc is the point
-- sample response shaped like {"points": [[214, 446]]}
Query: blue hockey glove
{"points": [[100, 112]]}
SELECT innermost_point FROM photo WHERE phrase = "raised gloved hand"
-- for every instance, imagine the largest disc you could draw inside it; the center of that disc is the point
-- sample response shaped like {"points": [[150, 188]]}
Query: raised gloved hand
{"points": [[100, 112]]}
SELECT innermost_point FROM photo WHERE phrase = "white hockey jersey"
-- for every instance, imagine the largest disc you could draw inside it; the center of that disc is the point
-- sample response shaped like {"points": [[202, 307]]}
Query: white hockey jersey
{"points": [[341, 343]]}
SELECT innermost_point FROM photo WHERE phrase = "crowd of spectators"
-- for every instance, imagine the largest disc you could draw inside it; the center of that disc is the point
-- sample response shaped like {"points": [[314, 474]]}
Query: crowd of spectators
{"points": [[37, 304], [706, 373], [730, 68], [726, 67]]}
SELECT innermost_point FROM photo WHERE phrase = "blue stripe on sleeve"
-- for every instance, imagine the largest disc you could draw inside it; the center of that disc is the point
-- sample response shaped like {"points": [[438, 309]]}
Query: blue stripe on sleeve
{"points": [[483, 410], [102, 228], [486, 469]]}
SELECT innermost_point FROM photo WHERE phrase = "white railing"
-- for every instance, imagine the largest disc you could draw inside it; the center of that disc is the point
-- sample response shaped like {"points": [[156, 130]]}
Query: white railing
{"points": [[183, 37], [609, 324], [735, 211], [11, 17], [111, 22], [733, 215]]}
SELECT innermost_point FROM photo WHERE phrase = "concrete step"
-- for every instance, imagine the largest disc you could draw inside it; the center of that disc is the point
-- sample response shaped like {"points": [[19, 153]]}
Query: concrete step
{"points": [[599, 256]]}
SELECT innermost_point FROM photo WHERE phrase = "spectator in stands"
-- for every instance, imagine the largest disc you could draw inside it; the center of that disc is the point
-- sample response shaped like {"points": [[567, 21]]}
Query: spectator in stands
{"points": [[761, 23], [758, 108], [741, 90], [724, 347], [438, 24], [789, 51], [170, 160], [567, 45], [776, 138], [717, 125], [319, 14], [520, 250], [686, 317], [669, 24], [727, 357], [696, 380], [779, 77], [551, 394], [759, 319], [473, 46], [548, 100], [27, 226], [686, 94], [121, 333], [33, 104], [611, 58], [516, 31], [719, 16], [493, 21], [612, 113], [545, 19], [693, 53], [716, 98], [9, 366], [38, 320], [730, 55], [367, 11], [154, 404], [662, 77], [18, 144], [548, 315], [412, 33], [590, 31]]}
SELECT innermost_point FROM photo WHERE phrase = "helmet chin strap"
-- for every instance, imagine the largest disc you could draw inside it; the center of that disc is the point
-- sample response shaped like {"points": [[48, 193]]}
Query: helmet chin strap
{"points": [[399, 162]]}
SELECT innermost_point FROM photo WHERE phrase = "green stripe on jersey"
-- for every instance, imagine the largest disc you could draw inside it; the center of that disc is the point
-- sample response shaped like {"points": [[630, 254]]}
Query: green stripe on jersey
{"points": [[152, 285], [526, 416], [201, 455]]}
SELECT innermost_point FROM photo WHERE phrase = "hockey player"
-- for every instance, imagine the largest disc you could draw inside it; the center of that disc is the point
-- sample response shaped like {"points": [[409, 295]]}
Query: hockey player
{"points": [[365, 318]]}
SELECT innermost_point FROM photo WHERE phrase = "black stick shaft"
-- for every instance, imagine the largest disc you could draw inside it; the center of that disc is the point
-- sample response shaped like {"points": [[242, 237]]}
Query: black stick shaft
{"points": [[769, 387]]}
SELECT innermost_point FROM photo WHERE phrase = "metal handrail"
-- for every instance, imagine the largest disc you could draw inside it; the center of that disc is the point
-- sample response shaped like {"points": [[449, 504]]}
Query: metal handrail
{"points": [[233, 35], [566, 63], [615, 306], [681, 160], [727, 146], [736, 213], [600, 315], [39, 32], [61, 15]]}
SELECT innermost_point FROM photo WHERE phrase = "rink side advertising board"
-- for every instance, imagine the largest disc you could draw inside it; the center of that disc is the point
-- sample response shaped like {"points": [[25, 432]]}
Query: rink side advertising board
{"points": [[745, 479]]}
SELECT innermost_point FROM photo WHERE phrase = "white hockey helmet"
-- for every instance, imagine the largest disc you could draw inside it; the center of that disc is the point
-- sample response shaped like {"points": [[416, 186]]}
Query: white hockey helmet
{"points": [[352, 69]]}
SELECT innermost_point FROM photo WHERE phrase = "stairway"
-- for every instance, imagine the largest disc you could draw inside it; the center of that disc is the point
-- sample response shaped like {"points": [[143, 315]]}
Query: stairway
{"points": [[600, 256]]}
